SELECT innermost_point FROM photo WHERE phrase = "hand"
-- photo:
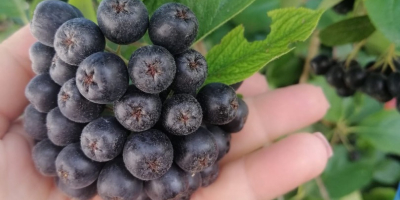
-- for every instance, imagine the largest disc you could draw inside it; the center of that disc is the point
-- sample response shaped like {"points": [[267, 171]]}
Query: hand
{"points": [[255, 168]]}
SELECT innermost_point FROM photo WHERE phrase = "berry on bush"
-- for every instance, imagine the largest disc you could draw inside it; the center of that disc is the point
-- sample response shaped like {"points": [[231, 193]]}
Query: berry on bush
{"points": [[355, 77], [345, 92], [194, 184], [321, 64], [376, 85], [35, 123], [222, 139], [344, 7], [42, 92], [335, 76], [60, 71], [41, 57], [209, 175], [44, 155], [394, 84], [237, 124], [85, 193]]}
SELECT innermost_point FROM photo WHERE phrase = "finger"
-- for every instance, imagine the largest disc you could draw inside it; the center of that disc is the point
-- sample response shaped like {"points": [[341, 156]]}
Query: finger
{"points": [[255, 85], [15, 73], [271, 171], [276, 113]]}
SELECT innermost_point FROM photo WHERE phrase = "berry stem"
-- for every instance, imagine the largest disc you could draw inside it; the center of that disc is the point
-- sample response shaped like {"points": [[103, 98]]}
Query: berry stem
{"points": [[322, 189], [200, 47], [386, 59], [109, 49], [354, 53], [118, 52], [312, 52]]}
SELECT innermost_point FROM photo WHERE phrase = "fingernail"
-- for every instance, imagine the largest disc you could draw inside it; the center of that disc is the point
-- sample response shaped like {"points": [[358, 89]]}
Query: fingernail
{"points": [[323, 139]]}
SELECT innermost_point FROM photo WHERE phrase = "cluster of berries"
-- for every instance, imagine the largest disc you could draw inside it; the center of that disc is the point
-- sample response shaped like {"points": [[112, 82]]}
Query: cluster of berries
{"points": [[378, 82], [159, 137]]}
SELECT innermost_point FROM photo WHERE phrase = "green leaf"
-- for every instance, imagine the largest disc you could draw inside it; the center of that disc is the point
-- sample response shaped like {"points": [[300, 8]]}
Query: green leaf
{"points": [[86, 7], [384, 15], [347, 31], [353, 196], [381, 130], [380, 193], [14, 8], [288, 64], [210, 13], [387, 172], [235, 59]]}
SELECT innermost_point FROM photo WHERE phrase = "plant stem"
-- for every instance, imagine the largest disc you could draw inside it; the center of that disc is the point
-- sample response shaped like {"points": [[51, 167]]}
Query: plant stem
{"points": [[322, 189], [200, 47], [118, 50], [354, 53], [109, 49], [312, 52]]}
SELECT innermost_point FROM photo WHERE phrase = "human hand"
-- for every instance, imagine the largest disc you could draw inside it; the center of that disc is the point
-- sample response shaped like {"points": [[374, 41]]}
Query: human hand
{"points": [[255, 167]]}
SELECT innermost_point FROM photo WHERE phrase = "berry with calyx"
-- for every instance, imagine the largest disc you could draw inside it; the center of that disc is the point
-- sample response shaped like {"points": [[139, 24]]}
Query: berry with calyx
{"points": [[60, 71], [103, 139], [222, 139], [162, 188], [41, 57], [152, 69], [345, 92], [191, 72], [344, 7], [35, 123], [219, 103], [335, 76], [74, 106], [236, 86], [195, 152], [44, 155], [194, 184], [355, 77], [42, 92], [376, 86], [321, 64], [209, 175], [102, 78], [115, 182], [77, 39], [138, 111], [123, 22], [62, 131], [74, 169], [173, 26], [85, 193], [48, 17], [181, 115], [238, 122], [148, 155], [394, 84]]}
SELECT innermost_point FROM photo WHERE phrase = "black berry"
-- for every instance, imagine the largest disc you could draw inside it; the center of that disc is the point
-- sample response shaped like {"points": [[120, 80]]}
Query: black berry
{"points": [[44, 155], [41, 57], [42, 92], [345, 92], [222, 139], [209, 175], [394, 84], [335, 76], [321, 64], [355, 77], [237, 124], [35, 123], [344, 7], [60, 71], [85, 193], [376, 85], [194, 184]]}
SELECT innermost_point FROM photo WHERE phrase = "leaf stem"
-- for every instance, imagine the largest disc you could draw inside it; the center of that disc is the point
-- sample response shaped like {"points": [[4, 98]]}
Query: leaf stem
{"points": [[354, 53], [312, 52], [109, 49], [322, 189], [118, 50]]}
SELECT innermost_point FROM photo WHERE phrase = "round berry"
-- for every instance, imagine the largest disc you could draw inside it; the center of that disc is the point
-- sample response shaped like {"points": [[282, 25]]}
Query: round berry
{"points": [[85, 193], [209, 175], [74, 106], [237, 124], [123, 22], [344, 7], [103, 139], [148, 155], [173, 26], [44, 155], [194, 184], [102, 78], [376, 86], [35, 123], [320, 65], [41, 57], [345, 92], [222, 139], [138, 111], [355, 77], [152, 69], [394, 84], [182, 114], [219, 103], [42, 92], [335, 76], [77, 39], [60, 71]]}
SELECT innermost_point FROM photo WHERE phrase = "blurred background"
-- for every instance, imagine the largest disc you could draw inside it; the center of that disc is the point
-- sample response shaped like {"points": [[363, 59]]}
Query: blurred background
{"points": [[365, 134]]}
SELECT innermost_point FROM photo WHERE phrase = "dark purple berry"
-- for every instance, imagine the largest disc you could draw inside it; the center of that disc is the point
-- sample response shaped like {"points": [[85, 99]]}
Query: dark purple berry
{"points": [[85, 193], [335, 76], [123, 22], [44, 155], [74, 106], [194, 184], [209, 175], [344, 7], [35, 123], [219, 103], [60, 71], [173, 26], [138, 111], [42, 92], [394, 84], [41, 57], [103, 139], [102, 78], [321, 64], [148, 155], [222, 139], [152, 69], [376, 86], [355, 77], [143, 196], [345, 92], [237, 124], [77, 39], [182, 114]]}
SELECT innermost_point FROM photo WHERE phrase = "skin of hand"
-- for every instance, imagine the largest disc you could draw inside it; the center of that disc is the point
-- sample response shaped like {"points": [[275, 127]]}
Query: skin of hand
{"points": [[256, 168]]}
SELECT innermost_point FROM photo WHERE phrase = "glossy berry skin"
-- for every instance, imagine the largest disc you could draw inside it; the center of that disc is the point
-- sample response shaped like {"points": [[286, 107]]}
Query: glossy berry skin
{"points": [[194, 184], [74, 106], [394, 84], [219, 103], [102, 78], [222, 139], [115, 182], [209, 175], [345, 92], [35, 123], [85, 193], [62, 131], [42, 92], [60, 71], [44, 155], [152, 69], [123, 22], [74, 169], [376, 85], [181, 115], [41, 57], [173, 26], [161, 188], [344, 7], [321, 64], [195, 152], [148, 155], [355, 77], [77, 39], [103, 139], [237, 124], [191, 72], [236, 86], [138, 111], [335, 76], [48, 17]]}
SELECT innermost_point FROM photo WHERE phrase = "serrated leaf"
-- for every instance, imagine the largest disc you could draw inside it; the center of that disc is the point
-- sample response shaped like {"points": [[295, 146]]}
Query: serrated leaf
{"points": [[384, 15], [14, 8], [236, 59], [347, 31], [86, 7], [210, 13], [382, 130]]}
